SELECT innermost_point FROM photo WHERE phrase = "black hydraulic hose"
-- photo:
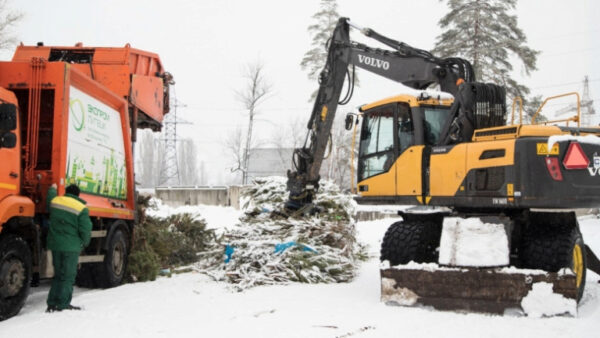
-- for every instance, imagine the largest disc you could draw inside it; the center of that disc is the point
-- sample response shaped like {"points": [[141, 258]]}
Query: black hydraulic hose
{"points": [[350, 92]]}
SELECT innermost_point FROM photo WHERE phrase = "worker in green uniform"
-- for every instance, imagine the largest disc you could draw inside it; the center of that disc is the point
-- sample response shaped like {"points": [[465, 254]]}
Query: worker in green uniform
{"points": [[70, 231]]}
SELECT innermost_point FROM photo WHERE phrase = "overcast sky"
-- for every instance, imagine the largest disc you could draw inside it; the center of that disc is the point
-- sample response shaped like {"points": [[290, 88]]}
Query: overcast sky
{"points": [[205, 45]]}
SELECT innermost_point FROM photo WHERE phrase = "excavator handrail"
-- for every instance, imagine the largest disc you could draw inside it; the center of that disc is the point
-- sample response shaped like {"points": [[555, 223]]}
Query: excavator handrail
{"points": [[512, 119], [576, 118]]}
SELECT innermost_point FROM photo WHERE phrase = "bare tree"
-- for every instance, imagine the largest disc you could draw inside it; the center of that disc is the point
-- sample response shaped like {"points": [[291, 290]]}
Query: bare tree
{"points": [[337, 164], [8, 19], [251, 96], [287, 137], [234, 145], [148, 159], [188, 164], [202, 173]]}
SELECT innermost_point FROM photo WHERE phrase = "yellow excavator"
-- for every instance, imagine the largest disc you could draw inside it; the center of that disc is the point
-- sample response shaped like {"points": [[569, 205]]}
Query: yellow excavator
{"points": [[453, 154]]}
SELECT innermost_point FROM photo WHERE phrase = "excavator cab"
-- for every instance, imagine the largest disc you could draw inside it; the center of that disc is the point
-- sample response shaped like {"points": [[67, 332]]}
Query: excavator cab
{"points": [[393, 135]]}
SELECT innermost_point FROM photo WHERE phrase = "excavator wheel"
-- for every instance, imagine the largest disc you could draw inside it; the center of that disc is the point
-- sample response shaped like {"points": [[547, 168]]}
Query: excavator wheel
{"points": [[411, 240], [552, 246]]}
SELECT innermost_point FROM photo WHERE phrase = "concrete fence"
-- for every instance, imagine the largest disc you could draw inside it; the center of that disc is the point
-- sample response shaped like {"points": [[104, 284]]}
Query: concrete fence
{"points": [[211, 195], [230, 196]]}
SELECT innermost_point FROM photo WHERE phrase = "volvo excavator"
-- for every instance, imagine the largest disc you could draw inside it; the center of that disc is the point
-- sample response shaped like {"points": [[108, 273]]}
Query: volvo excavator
{"points": [[453, 155]]}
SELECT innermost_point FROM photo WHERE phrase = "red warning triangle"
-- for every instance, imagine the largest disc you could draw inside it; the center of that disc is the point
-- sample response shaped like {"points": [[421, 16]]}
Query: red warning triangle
{"points": [[575, 158]]}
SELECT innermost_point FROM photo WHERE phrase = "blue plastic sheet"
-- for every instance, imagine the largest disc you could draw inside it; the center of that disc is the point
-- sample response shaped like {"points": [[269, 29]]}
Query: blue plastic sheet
{"points": [[228, 253], [280, 248]]}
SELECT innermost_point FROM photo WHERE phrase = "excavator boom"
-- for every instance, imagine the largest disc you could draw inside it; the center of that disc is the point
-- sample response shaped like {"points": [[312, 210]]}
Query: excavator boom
{"points": [[410, 66]]}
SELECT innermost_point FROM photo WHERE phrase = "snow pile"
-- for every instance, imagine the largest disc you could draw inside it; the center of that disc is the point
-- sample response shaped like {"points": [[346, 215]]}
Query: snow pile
{"points": [[472, 242], [216, 217], [541, 301], [266, 247]]}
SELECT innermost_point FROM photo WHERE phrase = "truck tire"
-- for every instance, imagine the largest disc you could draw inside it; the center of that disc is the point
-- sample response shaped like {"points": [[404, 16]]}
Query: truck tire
{"points": [[112, 270], [15, 274], [413, 240], [85, 276], [552, 248]]}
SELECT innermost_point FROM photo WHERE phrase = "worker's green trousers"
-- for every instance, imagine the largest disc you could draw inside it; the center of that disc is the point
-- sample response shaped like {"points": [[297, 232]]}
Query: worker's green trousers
{"points": [[65, 271]]}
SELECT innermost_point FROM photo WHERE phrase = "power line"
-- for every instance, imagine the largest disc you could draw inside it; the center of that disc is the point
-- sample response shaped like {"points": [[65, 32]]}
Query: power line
{"points": [[567, 35], [564, 84], [578, 51]]}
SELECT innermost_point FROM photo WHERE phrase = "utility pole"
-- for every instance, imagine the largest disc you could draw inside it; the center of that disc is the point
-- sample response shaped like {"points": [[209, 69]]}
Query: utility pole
{"points": [[169, 170], [587, 104]]}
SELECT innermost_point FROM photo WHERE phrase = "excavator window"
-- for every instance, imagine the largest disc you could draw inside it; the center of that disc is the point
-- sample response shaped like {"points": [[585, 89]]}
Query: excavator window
{"points": [[406, 131], [433, 122], [378, 145]]}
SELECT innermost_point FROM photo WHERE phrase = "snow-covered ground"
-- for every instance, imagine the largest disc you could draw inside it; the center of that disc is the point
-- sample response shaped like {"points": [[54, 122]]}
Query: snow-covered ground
{"points": [[192, 305]]}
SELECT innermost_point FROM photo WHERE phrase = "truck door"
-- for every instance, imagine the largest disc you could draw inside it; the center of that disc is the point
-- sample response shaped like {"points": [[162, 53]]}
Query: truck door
{"points": [[9, 150]]}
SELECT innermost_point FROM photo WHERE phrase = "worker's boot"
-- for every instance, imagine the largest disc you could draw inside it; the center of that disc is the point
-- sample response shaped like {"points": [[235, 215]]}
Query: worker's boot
{"points": [[72, 307], [52, 308]]}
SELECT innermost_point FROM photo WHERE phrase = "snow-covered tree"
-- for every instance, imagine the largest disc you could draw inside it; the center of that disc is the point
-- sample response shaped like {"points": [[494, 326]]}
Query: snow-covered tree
{"points": [[486, 33], [8, 19], [325, 20]]}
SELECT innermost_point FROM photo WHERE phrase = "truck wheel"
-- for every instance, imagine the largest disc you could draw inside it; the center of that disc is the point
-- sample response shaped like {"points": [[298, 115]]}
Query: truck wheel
{"points": [[411, 241], [85, 276], [112, 269], [15, 274], [553, 248]]}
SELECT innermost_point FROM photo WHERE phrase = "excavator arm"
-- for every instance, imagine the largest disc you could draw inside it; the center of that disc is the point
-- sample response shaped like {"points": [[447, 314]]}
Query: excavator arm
{"points": [[410, 66]]}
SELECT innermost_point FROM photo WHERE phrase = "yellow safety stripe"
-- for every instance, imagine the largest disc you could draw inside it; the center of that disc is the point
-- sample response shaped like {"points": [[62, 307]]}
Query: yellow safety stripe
{"points": [[67, 204], [112, 211], [8, 186]]}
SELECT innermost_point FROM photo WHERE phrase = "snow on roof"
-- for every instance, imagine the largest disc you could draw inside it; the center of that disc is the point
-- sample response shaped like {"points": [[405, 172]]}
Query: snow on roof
{"points": [[426, 94], [590, 139]]}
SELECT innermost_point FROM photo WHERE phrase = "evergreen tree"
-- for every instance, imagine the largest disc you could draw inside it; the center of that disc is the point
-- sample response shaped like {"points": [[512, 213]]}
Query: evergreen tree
{"points": [[486, 34], [321, 30], [8, 20], [325, 20]]}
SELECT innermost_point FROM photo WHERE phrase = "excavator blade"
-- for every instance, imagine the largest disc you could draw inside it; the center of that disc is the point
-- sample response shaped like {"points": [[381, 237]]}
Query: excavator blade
{"points": [[486, 290]]}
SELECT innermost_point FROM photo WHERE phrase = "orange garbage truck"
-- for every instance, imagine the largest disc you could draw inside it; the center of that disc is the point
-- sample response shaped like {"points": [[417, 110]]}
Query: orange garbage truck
{"points": [[69, 115]]}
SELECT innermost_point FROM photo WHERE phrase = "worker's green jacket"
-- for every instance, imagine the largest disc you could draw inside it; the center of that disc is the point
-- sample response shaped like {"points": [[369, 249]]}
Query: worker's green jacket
{"points": [[70, 224]]}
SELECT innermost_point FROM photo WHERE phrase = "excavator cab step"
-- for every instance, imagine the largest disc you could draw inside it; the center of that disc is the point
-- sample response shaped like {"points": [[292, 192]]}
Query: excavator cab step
{"points": [[485, 290]]}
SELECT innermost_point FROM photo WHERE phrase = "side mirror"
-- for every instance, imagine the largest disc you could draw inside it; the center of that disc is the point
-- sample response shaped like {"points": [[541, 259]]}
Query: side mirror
{"points": [[8, 117], [8, 140], [349, 121]]}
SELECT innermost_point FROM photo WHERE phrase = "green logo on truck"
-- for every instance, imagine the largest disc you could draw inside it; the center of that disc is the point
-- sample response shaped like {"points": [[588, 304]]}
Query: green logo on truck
{"points": [[77, 113]]}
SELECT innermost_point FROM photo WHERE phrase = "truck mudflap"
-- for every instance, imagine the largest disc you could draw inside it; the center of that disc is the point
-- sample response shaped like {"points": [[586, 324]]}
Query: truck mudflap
{"points": [[487, 290]]}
